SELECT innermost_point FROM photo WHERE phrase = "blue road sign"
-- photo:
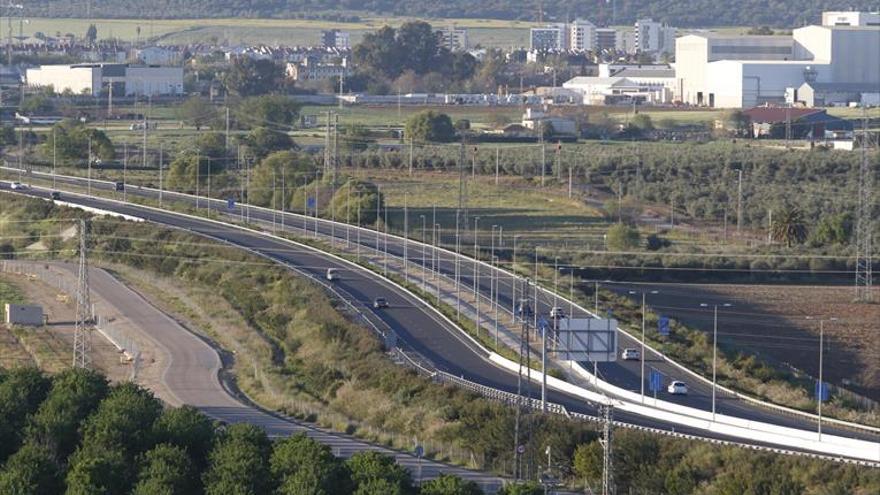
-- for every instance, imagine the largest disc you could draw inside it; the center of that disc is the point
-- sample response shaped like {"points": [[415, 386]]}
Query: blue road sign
{"points": [[311, 202], [655, 382], [663, 326], [610, 314], [822, 391], [230, 204]]}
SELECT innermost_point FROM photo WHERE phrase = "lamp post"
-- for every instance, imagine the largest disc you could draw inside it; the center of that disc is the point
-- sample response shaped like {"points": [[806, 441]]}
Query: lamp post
{"points": [[644, 294], [492, 276], [424, 258], [821, 388], [513, 282], [714, 349], [477, 269]]}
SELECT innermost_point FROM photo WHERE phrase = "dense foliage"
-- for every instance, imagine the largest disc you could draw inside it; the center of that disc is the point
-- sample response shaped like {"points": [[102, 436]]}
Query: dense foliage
{"points": [[687, 14]]}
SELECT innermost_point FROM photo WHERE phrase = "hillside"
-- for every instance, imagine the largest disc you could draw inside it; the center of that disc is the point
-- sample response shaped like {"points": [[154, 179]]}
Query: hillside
{"points": [[686, 13]]}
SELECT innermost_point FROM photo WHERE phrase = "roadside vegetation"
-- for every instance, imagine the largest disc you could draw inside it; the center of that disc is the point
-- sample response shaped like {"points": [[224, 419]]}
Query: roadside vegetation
{"points": [[306, 353]]}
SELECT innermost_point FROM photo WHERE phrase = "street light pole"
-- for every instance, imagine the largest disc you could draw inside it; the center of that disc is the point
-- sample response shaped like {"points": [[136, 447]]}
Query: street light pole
{"points": [[715, 352], [821, 387], [477, 270], [644, 320], [424, 258], [513, 282]]}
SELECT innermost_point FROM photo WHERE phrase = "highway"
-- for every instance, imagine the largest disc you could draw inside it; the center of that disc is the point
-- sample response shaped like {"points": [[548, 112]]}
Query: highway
{"points": [[421, 329]]}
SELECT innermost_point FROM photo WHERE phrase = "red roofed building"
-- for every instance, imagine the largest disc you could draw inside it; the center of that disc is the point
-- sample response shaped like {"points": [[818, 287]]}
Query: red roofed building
{"points": [[804, 123]]}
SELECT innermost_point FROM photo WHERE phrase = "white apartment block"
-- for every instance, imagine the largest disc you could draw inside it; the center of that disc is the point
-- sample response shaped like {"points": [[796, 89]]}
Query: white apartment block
{"points": [[654, 37], [455, 39]]}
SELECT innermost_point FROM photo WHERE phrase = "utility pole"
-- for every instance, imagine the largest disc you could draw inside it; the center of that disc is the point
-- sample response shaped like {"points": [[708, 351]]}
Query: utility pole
{"points": [[524, 355], [462, 186], [82, 334], [161, 158], [227, 128], [739, 203], [864, 224], [497, 163], [410, 156]]}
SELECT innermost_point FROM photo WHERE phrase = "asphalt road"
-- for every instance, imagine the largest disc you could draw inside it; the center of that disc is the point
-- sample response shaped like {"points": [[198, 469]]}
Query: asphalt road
{"points": [[419, 327]]}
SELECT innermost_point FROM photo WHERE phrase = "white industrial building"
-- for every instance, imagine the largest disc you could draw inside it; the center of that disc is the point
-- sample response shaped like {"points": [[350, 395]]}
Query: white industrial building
{"points": [[94, 79], [851, 18], [626, 83], [745, 71]]}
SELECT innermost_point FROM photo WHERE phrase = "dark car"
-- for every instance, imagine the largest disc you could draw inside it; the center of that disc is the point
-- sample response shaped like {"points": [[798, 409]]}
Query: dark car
{"points": [[120, 186], [56, 195], [380, 303]]}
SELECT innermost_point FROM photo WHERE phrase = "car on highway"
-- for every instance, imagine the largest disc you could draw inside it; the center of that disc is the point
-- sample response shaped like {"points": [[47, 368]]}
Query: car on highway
{"points": [[56, 195], [120, 186], [380, 303], [524, 308], [17, 185], [677, 388], [630, 354], [332, 274], [557, 313]]}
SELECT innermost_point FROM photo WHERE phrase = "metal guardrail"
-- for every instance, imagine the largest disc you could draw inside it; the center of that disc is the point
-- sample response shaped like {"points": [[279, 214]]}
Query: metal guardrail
{"points": [[493, 393]]}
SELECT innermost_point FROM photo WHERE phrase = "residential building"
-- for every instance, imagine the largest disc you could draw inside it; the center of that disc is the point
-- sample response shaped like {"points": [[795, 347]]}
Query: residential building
{"points": [[551, 38], [746, 71], [653, 37], [606, 39], [312, 70], [534, 119], [582, 36], [455, 39], [335, 38], [158, 55], [851, 19], [796, 123], [94, 79]]}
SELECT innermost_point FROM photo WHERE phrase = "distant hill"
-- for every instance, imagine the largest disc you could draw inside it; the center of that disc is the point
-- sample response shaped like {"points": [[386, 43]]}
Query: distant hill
{"points": [[684, 13]]}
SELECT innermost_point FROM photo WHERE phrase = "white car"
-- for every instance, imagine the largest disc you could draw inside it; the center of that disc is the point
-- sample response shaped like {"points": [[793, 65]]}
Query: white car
{"points": [[17, 185], [332, 274], [630, 354], [557, 313], [677, 388]]}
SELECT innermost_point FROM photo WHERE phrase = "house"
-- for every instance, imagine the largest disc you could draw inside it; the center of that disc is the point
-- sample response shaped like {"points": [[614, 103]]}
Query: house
{"points": [[796, 123], [535, 119]]}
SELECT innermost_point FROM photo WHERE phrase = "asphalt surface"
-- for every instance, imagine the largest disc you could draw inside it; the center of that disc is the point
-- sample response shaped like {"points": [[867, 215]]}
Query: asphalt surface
{"points": [[432, 337], [192, 376]]}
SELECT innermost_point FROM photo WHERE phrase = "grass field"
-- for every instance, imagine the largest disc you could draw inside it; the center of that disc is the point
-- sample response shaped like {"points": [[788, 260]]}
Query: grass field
{"points": [[482, 32]]}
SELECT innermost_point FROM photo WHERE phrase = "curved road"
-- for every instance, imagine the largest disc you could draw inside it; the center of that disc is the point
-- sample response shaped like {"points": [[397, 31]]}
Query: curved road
{"points": [[417, 326]]}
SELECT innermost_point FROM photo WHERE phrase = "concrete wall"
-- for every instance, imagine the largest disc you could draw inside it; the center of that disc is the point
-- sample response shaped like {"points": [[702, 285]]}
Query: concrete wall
{"points": [[65, 77], [154, 81], [19, 314]]}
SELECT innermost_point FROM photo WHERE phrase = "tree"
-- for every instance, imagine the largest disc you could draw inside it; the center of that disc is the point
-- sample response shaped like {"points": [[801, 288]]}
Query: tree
{"points": [[789, 227], [262, 141], [75, 393], [306, 467], [430, 126], [527, 488], [833, 229], [363, 196], [92, 34], [266, 180], [97, 471], [239, 462], [643, 122], [198, 112], [186, 427], [71, 143], [738, 122], [123, 421], [622, 237], [588, 461], [21, 393], [274, 111], [249, 77], [31, 470], [373, 472], [166, 469], [449, 485]]}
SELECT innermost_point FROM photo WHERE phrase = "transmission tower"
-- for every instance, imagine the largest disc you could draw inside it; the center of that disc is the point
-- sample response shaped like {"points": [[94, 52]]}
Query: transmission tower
{"points": [[524, 401], [864, 223], [607, 412], [82, 336]]}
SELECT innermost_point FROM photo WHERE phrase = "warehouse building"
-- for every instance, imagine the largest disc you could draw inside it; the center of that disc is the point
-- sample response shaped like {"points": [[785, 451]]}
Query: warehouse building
{"points": [[746, 71], [95, 79]]}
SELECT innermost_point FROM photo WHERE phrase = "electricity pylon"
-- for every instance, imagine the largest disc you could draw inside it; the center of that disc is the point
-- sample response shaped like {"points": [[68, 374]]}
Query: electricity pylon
{"points": [[82, 336]]}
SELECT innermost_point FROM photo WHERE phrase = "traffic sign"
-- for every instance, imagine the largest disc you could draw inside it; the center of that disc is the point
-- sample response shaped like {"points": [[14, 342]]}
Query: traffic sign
{"points": [[311, 202], [543, 324], [230, 204], [822, 391], [520, 449], [419, 451], [655, 382], [663, 326]]}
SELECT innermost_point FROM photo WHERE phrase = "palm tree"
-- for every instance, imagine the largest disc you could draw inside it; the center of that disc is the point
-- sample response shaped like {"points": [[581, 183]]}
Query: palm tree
{"points": [[789, 228]]}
